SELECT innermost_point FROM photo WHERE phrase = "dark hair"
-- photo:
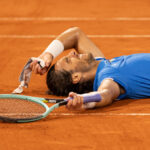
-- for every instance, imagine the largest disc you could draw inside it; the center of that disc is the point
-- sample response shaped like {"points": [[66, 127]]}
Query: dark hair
{"points": [[60, 83]]}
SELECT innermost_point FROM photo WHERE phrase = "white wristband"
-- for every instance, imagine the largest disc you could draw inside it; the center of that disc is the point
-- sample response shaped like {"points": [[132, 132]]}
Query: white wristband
{"points": [[55, 48]]}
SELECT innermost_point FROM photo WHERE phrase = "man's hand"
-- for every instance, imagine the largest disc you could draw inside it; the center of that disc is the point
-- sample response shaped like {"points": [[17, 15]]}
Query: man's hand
{"points": [[47, 58], [76, 103]]}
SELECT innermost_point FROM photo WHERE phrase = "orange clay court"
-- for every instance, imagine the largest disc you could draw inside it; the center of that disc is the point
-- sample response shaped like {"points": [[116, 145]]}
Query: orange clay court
{"points": [[118, 27]]}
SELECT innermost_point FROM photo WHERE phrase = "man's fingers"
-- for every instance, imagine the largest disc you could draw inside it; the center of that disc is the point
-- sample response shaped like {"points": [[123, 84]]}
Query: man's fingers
{"points": [[72, 94], [47, 59], [75, 101], [37, 69], [47, 64], [69, 104], [75, 104], [79, 101], [44, 70], [33, 64]]}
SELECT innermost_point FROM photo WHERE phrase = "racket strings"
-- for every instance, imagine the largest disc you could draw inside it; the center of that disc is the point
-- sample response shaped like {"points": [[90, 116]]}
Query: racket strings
{"points": [[16, 108]]}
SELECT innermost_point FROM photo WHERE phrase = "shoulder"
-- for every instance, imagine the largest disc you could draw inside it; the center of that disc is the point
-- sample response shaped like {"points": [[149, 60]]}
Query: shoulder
{"points": [[105, 70]]}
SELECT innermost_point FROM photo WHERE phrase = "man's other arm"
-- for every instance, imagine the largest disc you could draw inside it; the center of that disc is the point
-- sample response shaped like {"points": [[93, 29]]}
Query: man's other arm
{"points": [[109, 90]]}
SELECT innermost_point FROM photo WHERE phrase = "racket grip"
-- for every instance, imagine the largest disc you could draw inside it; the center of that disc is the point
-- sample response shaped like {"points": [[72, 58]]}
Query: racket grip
{"points": [[63, 103]]}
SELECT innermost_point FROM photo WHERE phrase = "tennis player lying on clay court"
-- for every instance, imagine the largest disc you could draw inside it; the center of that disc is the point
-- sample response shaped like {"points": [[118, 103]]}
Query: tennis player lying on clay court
{"points": [[87, 71]]}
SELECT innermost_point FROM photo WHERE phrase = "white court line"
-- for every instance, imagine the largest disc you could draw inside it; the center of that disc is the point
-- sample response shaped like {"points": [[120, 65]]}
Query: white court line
{"points": [[119, 36], [73, 19], [54, 36], [79, 114], [46, 19], [100, 114], [130, 19]]}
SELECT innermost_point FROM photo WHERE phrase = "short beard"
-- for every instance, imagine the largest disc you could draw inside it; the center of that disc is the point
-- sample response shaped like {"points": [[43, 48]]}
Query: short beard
{"points": [[91, 58]]}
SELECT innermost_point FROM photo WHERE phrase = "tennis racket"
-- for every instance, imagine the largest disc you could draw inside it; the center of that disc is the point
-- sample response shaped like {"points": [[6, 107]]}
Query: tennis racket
{"points": [[20, 108]]}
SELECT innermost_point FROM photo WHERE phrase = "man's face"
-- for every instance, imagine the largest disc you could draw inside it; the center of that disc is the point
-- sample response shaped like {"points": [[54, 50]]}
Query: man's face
{"points": [[75, 62]]}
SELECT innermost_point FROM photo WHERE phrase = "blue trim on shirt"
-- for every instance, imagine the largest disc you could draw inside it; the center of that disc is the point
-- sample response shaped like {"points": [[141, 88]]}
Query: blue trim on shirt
{"points": [[100, 58]]}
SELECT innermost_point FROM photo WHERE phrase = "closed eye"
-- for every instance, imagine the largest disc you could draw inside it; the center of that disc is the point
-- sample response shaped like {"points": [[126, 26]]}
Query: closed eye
{"points": [[68, 60]]}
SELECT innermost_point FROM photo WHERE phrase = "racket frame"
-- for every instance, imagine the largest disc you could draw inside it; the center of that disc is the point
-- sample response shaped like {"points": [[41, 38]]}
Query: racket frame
{"points": [[38, 100]]}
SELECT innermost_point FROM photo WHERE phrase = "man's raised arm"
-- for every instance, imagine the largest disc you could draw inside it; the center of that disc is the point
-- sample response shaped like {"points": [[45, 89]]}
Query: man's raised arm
{"points": [[71, 38], [77, 39]]}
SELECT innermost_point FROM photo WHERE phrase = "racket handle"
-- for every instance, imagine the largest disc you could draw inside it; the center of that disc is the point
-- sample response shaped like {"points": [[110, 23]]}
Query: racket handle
{"points": [[63, 103]]}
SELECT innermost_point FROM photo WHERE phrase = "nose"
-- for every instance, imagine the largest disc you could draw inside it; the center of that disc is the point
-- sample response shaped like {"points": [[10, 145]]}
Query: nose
{"points": [[73, 54]]}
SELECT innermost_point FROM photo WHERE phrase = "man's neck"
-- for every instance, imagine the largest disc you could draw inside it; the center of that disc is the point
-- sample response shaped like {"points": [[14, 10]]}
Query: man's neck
{"points": [[91, 74]]}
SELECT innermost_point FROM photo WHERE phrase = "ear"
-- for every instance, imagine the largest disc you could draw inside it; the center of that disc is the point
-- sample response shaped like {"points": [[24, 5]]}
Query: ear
{"points": [[76, 77]]}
